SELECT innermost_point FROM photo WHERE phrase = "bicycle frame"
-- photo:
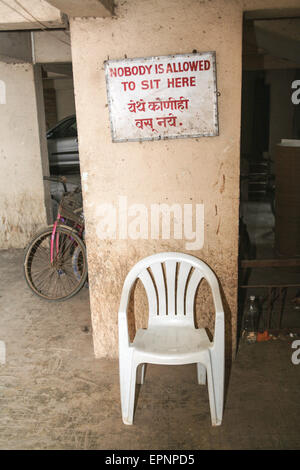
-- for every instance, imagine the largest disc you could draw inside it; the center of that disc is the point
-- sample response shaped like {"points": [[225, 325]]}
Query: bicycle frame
{"points": [[79, 230], [64, 269]]}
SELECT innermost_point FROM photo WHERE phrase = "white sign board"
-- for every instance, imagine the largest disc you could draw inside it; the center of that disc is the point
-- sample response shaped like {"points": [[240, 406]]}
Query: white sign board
{"points": [[162, 97]]}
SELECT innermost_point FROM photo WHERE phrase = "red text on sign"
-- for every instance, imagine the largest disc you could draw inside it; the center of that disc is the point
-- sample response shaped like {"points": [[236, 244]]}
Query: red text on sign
{"points": [[128, 85], [179, 82], [150, 84]]}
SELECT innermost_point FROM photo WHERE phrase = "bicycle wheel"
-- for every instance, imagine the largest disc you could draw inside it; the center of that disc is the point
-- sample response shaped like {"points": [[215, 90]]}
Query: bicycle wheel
{"points": [[77, 262], [66, 275]]}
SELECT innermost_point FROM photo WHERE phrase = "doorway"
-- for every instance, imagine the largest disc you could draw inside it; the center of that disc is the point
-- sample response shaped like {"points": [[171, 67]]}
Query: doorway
{"points": [[270, 122], [61, 129]]}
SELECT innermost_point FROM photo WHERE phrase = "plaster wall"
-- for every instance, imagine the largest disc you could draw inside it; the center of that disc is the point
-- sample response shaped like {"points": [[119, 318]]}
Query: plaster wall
{"points": [[15, 47], [65, 102], [21, 186], [199, 170]]}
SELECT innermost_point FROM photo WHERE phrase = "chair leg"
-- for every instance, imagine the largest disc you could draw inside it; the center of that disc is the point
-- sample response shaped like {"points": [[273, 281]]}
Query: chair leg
{"points": [[140, 374], [218, 372], [201, 374], [127, 387], [128, 419], [211, 395]]}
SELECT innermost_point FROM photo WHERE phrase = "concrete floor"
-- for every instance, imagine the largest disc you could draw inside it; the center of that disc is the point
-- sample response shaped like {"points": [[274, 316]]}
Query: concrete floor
{"points": [[55, 395]]}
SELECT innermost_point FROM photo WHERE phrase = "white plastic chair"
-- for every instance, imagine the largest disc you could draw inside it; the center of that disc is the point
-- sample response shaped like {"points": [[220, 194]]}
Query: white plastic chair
{"points": [[171, 281]]}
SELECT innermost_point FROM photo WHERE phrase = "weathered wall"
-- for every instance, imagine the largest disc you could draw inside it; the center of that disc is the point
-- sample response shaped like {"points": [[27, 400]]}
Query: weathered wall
{"points": [[15, 47], [21, 187], [175, 171], [65, 102]]}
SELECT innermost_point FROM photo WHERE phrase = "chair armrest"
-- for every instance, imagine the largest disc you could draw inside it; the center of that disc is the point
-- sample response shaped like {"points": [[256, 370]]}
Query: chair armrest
{"points": [[124, 340]]}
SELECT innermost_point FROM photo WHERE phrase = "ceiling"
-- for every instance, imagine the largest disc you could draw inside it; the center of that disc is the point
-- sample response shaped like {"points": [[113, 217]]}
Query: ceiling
{"points": [[271, 43]]}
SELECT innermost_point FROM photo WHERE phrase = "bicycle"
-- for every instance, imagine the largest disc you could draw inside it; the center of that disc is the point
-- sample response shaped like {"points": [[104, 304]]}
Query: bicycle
{"points": [[55, 264]]}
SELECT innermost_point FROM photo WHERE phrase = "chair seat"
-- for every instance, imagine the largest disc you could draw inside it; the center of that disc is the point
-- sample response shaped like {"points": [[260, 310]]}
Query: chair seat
{"points": [[164, 341]]}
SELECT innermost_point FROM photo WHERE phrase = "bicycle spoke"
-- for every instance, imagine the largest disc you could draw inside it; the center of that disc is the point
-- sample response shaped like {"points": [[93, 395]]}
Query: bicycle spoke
{"points": [[41, 282], [67, 248]]}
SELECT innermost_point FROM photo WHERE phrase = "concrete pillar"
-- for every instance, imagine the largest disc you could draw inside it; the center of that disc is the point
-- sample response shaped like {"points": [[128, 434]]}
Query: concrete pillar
{"points": [[179, 171], [22, 199], [42, 139], [203, 170]]}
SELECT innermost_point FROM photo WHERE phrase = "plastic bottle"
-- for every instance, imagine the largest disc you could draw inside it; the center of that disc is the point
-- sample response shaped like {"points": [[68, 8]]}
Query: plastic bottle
{"points": [[251, 320]]}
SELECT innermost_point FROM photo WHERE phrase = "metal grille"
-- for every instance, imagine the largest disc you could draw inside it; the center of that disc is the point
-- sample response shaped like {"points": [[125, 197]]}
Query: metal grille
{"points": [[70, 207]]}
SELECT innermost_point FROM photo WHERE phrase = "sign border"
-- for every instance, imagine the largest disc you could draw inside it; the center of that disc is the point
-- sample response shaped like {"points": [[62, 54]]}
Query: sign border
{"points": [[215, 133]]}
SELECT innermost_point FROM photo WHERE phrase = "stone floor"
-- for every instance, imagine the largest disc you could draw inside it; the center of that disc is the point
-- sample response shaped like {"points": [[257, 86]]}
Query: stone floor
{"points": [[55, 395]]}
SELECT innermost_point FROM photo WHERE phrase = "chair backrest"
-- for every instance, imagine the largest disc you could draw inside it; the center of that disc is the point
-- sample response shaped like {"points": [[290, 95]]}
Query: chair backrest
{"points": [[170, 281]]}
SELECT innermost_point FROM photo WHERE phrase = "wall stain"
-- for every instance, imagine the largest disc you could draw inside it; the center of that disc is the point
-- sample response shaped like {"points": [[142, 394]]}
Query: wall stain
{"points": [[23, 215], [218, 228], [222, 188]]}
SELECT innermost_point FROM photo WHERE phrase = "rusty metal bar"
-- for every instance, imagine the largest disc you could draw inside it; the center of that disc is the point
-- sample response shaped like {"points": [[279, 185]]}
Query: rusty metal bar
{"points": [[265, 286], [275, 292], [270, 263], [283, 294]]}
